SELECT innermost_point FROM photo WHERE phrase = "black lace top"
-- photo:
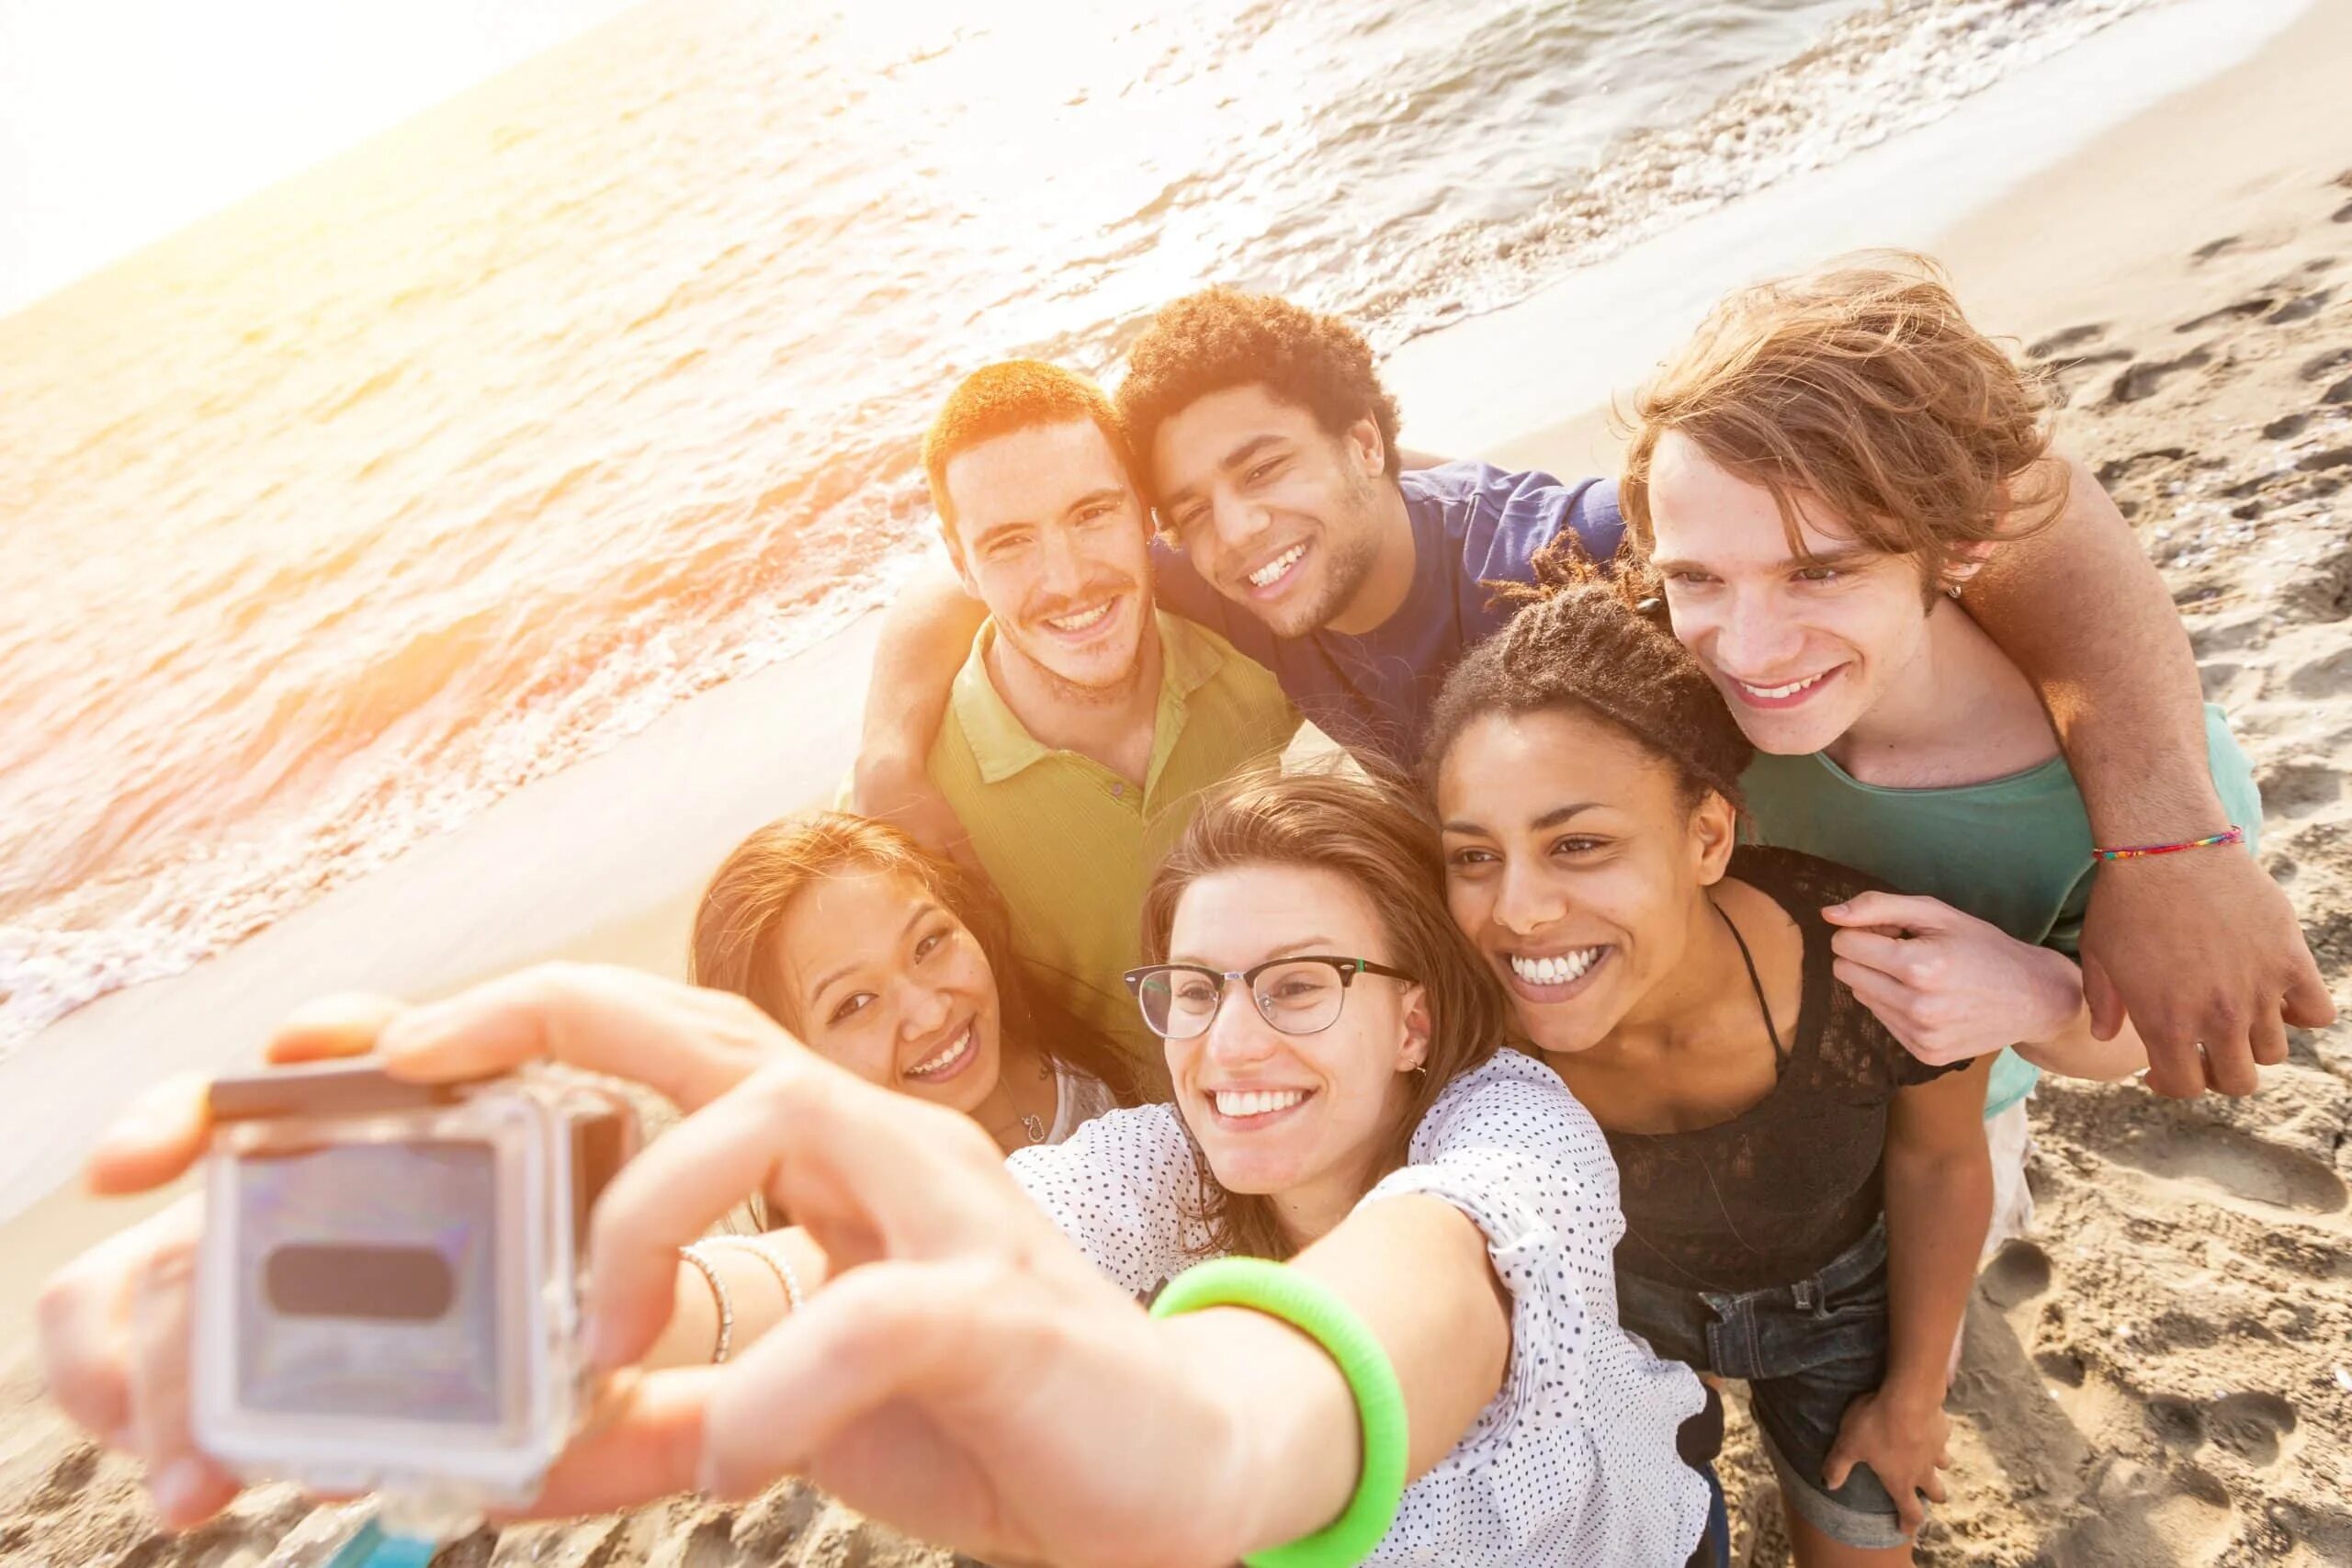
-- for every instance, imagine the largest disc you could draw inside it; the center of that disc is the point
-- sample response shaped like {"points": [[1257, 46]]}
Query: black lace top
{"points": [[1778, 1191]]}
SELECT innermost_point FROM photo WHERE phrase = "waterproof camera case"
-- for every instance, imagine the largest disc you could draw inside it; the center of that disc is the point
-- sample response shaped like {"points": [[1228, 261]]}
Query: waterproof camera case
{"points": [[388, 1288]]}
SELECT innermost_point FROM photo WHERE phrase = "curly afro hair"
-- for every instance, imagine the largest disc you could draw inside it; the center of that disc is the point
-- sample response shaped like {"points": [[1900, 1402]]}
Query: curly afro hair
{"points": [[1221, 338], [1582, 639]]}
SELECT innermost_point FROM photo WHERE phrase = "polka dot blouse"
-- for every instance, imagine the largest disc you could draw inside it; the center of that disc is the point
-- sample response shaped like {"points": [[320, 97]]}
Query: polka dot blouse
{"points": [[1574, 1459]]}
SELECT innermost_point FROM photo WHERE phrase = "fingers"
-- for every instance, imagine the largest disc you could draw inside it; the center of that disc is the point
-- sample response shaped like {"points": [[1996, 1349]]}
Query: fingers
{"points": [[2266, 1038], [865, 1170], [2229, 1060], [2106, 1004], [1838, 1466], [880, 1335], [1889, 956], [83, 1320], [1894, 910], [153, 1142], [1909, 1513], [686, 1044], [332, 1027], [188, 1487], [644, 1441]]}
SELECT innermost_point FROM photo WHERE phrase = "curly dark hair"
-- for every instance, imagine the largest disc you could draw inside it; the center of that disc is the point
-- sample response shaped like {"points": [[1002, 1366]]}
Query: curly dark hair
{"points": [[1585, 638], [1221, 337]]}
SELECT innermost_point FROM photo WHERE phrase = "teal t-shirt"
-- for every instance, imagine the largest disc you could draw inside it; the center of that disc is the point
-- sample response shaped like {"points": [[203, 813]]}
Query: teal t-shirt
{"points": [[2015, 852]]}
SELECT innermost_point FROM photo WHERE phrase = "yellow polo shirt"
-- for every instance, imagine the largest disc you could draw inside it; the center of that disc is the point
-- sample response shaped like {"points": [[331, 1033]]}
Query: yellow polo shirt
{"points": [[1070, 843]]}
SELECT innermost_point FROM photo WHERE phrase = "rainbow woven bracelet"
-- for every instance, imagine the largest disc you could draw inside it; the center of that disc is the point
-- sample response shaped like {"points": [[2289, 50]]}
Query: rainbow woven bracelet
{"points": [[2140, 851]]}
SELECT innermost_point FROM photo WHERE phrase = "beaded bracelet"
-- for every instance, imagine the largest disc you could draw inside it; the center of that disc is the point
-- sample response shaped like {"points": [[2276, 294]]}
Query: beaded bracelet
{"points": [[1316, 1311], [2140, 852], [718, 1294]]}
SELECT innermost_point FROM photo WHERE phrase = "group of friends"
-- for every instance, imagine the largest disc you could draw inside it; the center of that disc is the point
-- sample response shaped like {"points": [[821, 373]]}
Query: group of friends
{"points": [[1653, 902]]}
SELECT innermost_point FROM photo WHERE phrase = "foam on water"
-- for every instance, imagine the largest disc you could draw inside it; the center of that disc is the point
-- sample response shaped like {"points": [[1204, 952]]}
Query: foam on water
{"points": [[468, 454]]}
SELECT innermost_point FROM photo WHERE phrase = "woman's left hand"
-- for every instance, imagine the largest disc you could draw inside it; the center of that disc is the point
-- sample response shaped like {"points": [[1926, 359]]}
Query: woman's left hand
{"points": [[1902, 1439], [1947, 985]]}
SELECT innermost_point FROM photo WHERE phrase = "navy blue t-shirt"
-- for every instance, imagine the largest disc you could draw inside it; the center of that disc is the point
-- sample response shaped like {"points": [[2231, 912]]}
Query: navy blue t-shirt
{"points": [[1472, 524]]}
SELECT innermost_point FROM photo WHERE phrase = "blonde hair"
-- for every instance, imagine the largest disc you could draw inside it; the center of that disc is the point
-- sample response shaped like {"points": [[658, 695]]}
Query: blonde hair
{"points": [[1377, 832], [1860, 386]]}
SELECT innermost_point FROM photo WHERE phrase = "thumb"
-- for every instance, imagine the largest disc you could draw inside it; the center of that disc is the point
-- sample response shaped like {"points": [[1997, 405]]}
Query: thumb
{"points": [[2106, 1002], [2308, 1004], [1893, 909], [1839, 1465], [154, 1140]]}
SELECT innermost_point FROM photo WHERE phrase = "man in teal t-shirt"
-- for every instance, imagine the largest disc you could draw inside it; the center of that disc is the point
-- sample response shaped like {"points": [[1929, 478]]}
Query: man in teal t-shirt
{"points": [[1813, 481], [2013, 851]]}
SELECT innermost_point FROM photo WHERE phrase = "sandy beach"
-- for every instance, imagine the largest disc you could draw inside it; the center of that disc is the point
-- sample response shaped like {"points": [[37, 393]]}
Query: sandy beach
{"points": [[2163, 1374]]}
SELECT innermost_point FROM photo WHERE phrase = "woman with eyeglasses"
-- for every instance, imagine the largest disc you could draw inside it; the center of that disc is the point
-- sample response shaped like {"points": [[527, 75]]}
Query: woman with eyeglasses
{"points": [[1454, 1386]]}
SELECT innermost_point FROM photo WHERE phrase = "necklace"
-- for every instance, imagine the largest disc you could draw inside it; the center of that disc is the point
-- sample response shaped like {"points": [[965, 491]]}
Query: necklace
{"points": [[1032, 1126]]}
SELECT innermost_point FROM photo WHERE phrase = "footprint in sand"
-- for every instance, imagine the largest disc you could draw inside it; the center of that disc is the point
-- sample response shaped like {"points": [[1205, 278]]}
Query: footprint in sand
{"points": [[2018, 1272], [2326, 365], [2285, 425], [2254, 305], [2059, 341], [2144, 380], [2300, 310], [2213, 248], [2328, 677], [2250, 1425], [2323, 593], [2234, 1163]]}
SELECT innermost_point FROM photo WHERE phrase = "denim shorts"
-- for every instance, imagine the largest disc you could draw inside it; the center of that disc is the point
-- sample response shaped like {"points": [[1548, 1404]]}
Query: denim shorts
{"points": [[1806, 1351]]}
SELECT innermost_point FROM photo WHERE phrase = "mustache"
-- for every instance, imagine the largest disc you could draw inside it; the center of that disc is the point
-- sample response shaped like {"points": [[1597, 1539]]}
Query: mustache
{"points": [[1063, 604]]}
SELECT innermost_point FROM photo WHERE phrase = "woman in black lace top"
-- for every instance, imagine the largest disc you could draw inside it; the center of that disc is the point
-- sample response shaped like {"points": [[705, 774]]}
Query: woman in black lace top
{"points": [[1804, 1198]]}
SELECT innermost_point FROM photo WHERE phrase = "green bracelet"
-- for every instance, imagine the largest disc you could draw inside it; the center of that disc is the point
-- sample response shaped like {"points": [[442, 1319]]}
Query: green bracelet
{"points": [[1316, 1312]]}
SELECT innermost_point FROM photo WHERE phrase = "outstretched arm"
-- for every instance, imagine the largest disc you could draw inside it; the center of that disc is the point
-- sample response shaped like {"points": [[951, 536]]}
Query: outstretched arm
{"points": [[925, 636], [2197, 949], [968, 1376]]}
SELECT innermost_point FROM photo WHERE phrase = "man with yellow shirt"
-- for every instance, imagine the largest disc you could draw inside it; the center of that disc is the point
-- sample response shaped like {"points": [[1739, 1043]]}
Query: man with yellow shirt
{"points": [[1085, 721]]}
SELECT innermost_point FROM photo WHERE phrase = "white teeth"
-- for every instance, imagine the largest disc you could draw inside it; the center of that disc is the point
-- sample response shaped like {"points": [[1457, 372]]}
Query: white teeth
{"points": [[1558, 969], [946, 1058], [1256, 1102], [1276, 567], [1772, 694], [1079, 622]]}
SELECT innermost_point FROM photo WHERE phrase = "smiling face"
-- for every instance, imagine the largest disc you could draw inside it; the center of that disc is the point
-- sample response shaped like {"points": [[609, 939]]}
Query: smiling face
{"points": [[1575, 865], [1299, 1117], [1049, 534], [1275, 511], [879, 979], [1800, 648]]}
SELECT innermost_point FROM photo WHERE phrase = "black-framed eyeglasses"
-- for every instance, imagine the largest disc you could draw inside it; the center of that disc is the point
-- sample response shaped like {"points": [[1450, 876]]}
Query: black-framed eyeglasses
{"points": [[1302, 995]]}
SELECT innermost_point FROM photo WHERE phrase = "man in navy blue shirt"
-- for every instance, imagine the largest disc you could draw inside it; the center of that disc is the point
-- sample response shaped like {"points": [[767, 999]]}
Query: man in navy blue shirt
{"points": [[1358, 582], [1269, 448]]}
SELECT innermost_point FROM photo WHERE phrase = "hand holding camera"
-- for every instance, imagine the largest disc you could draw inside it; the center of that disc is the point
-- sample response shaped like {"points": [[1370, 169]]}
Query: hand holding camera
{"points": [[969, 1377]]}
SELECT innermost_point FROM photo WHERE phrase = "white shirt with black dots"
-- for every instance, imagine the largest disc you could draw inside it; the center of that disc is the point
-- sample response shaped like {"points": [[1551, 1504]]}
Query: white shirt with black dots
{"points": [[1574, 1459]]}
